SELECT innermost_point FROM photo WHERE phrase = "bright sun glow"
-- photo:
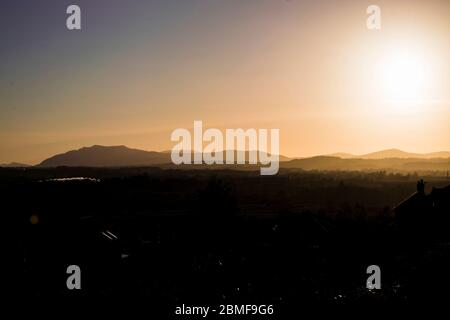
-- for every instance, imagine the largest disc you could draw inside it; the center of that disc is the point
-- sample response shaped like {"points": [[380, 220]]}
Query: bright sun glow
{"points": [[404, 76]]}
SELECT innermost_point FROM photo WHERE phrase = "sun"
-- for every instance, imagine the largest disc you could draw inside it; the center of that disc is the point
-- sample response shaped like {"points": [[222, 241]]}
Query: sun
{"points": [[403, 75]]}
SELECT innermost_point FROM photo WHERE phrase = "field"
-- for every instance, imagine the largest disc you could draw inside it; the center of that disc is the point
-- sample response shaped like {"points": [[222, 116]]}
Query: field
{"points": [[213, 237]]}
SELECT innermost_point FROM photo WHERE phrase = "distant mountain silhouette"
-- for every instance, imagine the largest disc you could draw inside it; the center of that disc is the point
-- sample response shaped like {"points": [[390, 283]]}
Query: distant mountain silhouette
{"points": [[102, 156], [118, 156], [393, 153], [253, 153], [122, 156], [342, 155], [396, 164], [14, 165]]}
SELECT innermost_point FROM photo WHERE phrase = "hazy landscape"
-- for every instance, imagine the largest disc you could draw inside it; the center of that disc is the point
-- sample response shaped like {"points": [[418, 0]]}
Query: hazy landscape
{"points": [[392, 160], [229, 236], [282, 153]]}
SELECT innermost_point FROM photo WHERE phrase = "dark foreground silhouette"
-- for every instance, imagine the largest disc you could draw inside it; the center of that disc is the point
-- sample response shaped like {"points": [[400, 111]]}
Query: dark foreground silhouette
{"points": [[202, 237]]}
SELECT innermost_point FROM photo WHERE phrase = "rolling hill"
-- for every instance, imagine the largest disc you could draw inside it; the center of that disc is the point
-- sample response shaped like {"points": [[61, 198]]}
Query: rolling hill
{"points": [[328, 163], [102, 156], [122, 156], [14, 165], [393, 153], [117, 156]]}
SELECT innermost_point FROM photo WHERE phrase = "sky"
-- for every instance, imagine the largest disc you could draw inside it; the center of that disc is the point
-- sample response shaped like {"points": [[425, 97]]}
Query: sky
{"points": [[137, 70]]}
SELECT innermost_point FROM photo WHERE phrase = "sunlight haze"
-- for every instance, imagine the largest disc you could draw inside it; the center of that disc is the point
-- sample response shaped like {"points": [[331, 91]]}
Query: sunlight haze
{"points": [[138, 70]]}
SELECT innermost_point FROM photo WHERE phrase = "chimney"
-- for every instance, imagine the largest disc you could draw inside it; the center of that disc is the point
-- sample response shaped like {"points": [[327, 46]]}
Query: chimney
{"points": [[421, 186]]}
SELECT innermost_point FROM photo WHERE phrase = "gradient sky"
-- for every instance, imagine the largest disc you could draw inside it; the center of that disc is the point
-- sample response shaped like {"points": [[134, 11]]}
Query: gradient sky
{"points": [[139, 69]]}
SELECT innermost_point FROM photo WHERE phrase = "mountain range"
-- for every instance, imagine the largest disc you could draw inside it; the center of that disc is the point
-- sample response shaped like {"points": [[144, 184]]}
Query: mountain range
{"points": [[393, 153], [329, 163], [122, 156], [106, 156], [117, 156]]}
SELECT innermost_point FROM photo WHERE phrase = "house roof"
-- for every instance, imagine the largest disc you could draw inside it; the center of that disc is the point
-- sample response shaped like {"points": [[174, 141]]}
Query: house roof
{"points": [[415, 201]]}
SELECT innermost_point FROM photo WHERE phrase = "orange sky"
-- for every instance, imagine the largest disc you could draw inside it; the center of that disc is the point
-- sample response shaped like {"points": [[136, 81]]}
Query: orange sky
{"points": [[310, 68]]}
